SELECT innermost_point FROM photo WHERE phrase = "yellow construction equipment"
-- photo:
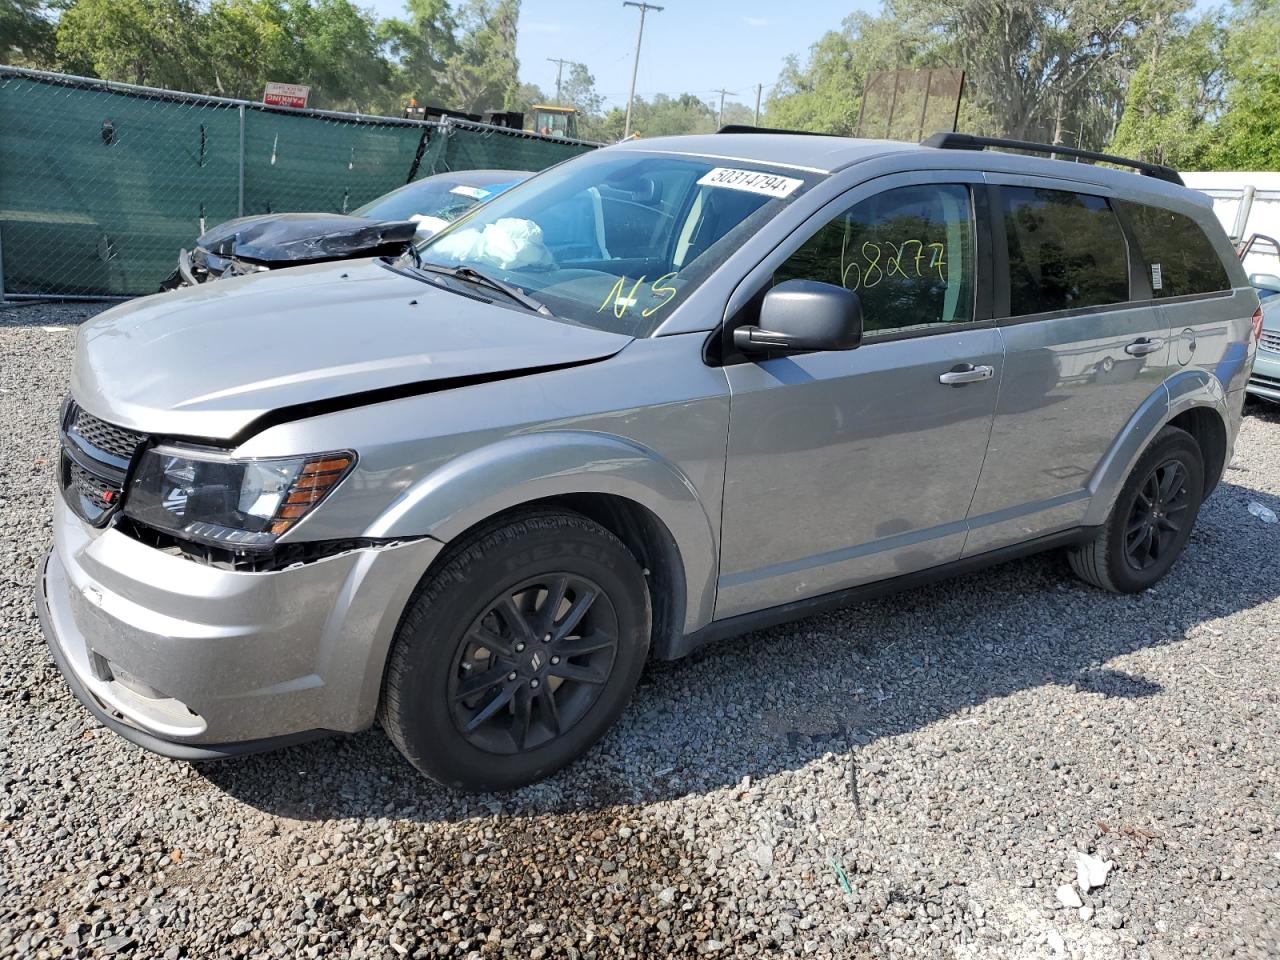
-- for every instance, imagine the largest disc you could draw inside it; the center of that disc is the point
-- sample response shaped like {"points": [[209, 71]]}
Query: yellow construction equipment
{"points": [[555, 121]]}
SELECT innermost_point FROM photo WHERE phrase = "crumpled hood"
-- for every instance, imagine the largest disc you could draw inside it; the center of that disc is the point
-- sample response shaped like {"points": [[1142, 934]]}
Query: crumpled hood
{"points": [[207, 361], [299, 237]]}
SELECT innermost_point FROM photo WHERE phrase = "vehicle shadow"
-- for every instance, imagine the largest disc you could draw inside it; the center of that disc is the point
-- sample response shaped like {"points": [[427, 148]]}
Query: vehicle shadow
{"points": [[778, 699], [1262, 409]]}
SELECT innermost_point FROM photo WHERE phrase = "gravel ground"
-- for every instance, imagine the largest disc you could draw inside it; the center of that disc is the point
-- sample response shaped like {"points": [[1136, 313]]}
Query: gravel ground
{"points": [[907, 778]]}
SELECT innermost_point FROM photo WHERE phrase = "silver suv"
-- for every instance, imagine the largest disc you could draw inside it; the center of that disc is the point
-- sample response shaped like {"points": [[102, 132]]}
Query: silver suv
{"points": [[669, 391]]}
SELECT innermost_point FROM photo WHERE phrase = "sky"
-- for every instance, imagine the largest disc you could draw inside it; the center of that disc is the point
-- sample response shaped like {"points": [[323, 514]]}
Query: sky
{"points": [[693, 46]]}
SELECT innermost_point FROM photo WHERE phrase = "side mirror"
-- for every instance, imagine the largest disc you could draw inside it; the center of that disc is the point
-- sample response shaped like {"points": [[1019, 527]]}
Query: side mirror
{"points": [[1268, 280], [804, 315]]}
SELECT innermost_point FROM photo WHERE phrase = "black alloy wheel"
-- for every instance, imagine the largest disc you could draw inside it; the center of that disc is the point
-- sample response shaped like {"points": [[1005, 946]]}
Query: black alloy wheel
{"points": [[533, 663], [1151, 518], [520, 647], [1158, 513]]}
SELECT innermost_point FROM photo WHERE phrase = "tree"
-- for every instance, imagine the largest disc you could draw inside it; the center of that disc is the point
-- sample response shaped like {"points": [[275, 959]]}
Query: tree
{"points": [[27, 36], [823, 94], [153, 42], [1173, 96], [244, 44], [1247, 137], [579, 90], [338, 53], [738, 113], [463, 59], [233, 48], [1052, 70], [663, 116], [420, 46], [483, 73], [527, 95]]}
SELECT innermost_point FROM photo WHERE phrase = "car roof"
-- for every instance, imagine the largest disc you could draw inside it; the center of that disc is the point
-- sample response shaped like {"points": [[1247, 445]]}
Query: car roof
{"points": [[819, 154], [825, 154]]}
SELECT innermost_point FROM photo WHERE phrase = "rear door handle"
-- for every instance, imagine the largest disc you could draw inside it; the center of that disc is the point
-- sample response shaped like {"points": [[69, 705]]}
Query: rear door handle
{"points": [[964, 373], [1144, 346]]}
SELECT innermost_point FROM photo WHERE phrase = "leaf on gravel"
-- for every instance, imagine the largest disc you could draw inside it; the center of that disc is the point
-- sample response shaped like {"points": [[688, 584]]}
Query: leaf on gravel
{"points": [[841, 876], [175, 855]]}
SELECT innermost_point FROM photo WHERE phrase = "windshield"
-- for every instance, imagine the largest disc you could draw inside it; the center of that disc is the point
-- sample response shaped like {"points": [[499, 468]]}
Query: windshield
{"points": [[615, 240], [447, 200]]}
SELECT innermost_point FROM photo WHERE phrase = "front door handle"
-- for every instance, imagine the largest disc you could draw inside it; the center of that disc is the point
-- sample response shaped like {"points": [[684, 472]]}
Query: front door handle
{"points": [[964, 373], [1143, 346]]}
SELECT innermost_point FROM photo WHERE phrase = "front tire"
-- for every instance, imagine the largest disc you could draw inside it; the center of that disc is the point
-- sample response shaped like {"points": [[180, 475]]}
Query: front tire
{"points": [[1151, 520], [517, 652]]}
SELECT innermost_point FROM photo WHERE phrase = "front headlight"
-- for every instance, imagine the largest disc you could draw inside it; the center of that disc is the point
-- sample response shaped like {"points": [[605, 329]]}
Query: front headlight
{"points": [[241, 505]]}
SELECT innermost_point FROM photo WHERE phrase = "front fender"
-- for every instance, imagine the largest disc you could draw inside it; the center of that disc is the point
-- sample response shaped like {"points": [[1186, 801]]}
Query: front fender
{"points": [[1183, 391], [520, 469]]}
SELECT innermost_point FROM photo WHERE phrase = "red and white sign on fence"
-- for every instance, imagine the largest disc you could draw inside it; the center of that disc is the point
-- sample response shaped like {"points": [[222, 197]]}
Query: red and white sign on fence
{"points": [[286, 94]]}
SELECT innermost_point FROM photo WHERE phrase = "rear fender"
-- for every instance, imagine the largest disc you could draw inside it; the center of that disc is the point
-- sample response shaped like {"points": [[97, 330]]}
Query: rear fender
{"points": [[1181, 392], [517, 470]]}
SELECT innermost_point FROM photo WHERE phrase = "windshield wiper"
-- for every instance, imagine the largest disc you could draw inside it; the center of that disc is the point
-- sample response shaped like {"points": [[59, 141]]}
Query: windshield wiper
{"points": [[472, 275]]}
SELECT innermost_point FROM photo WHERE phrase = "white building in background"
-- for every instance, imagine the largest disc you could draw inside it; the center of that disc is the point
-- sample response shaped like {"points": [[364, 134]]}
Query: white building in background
{"points": [[1246, 204]]}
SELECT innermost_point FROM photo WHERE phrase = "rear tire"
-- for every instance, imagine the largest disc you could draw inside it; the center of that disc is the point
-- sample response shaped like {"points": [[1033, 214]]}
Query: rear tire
{"points": [[1151, 520], [490, 684]]}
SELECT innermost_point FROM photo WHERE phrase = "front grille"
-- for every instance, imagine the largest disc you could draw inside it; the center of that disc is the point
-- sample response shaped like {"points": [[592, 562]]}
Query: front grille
{"points": [[103, 436], [1270, 382], [99, 495], [95, 462], [1270, 341]]}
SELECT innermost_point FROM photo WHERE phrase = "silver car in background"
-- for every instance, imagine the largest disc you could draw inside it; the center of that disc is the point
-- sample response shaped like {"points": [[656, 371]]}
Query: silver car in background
{"points": [[668, 391]]}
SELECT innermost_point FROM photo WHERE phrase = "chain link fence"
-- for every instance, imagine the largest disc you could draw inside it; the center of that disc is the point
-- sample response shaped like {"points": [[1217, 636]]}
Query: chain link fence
{"points": [[101, 183]]}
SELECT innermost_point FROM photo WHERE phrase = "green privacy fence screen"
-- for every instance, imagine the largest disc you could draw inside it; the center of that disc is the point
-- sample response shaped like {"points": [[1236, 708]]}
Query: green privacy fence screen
{"points": [[102, 183]]}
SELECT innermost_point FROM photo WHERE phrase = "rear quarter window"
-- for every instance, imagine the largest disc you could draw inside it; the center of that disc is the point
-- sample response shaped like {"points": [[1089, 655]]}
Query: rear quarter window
{"points": [[1179, 256], [1066, 251]]}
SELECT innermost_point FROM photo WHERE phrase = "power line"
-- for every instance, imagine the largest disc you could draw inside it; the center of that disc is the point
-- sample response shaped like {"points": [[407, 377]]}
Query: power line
{"points": [[635, 65]]}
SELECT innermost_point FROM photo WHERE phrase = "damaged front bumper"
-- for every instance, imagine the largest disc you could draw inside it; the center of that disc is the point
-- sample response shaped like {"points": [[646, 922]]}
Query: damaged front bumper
{"points": [[196, 662], [201, 266], [274, 241]]}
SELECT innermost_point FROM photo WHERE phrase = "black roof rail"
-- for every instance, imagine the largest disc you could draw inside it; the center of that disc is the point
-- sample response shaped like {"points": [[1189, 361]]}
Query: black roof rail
{"points": [[967, 141], [748, 128]]}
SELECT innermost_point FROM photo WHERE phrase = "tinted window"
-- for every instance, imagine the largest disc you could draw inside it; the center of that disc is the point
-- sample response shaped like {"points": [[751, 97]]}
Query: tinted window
{"points": [[1066, 250], [1176, 251], [907, 253]]}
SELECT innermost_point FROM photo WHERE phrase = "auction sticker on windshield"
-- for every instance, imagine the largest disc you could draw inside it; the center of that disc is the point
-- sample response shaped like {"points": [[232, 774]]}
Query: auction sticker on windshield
{"points": [[752, 181]]}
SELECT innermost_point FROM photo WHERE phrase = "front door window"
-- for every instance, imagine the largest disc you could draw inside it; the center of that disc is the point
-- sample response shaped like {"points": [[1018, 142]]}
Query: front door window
{"points": [[907, 253]]}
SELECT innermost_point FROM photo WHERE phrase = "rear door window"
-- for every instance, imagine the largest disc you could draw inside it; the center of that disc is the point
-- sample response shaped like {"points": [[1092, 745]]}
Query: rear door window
{"points": [[1066, 251], [1180, 257]]}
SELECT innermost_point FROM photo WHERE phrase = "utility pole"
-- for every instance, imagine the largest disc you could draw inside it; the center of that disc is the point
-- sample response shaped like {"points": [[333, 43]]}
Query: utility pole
{"points": [[635, 64], [720, 113], [559, 69], [759, 90]]}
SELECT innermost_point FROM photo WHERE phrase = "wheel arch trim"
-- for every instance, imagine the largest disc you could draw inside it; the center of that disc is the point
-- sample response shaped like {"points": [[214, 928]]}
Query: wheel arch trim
{"points": [[1184, 391], [523, 469]]}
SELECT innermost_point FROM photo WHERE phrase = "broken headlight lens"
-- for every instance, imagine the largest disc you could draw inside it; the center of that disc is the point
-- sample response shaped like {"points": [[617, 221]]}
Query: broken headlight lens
{"points": [[241, 505]]}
